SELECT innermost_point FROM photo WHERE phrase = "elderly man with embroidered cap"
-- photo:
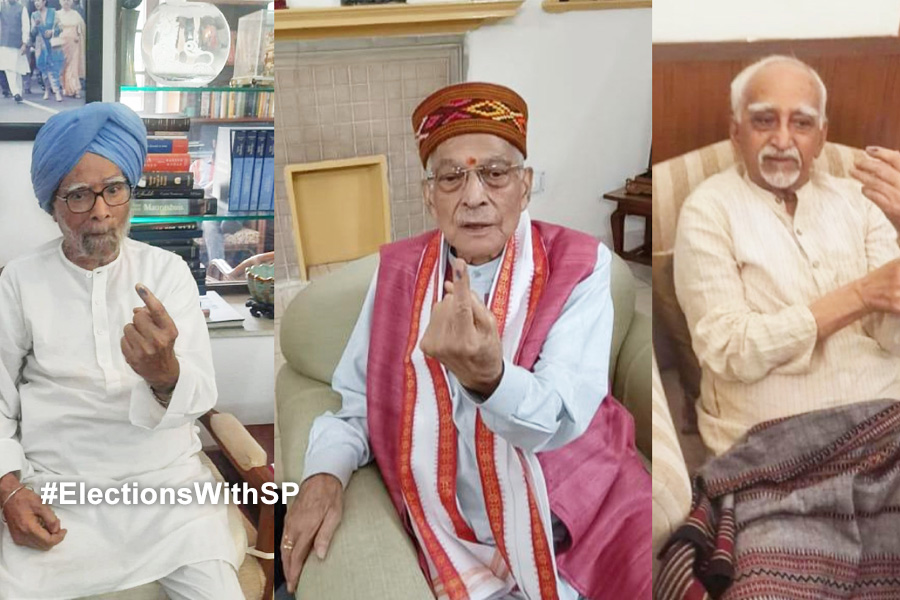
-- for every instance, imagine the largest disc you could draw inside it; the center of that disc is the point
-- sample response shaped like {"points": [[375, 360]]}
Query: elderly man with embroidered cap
{"points": [[105, 364], [476, 378]]}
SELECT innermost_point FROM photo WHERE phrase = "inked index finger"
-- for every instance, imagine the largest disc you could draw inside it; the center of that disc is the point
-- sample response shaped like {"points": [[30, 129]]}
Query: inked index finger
{"points": [[461, 289], [156, 308], [891, 157]]}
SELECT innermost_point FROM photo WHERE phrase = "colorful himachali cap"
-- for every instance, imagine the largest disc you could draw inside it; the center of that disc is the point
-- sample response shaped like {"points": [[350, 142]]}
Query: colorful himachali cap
{"points": [[470, 108]]}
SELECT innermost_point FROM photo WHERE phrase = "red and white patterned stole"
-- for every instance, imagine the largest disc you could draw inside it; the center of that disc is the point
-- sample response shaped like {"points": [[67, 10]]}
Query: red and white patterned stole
{"points": [[514, 490]]}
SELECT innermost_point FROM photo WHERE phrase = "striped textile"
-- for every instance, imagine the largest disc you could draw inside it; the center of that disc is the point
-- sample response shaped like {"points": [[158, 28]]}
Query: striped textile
{"points": [[673, 182], [804, 507], [671, 484], [515, 492]]}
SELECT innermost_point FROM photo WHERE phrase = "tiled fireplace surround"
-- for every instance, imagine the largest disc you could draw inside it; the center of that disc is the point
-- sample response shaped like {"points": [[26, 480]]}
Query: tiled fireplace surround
{"points": [[346, 98]]}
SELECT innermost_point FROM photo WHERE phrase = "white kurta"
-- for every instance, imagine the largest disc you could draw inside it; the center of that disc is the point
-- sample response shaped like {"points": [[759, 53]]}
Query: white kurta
{"points": [[78, 412]]}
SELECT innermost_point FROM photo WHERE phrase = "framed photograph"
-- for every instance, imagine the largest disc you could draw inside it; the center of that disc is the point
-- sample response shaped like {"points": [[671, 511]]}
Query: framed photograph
{"points": [[53, 64]]}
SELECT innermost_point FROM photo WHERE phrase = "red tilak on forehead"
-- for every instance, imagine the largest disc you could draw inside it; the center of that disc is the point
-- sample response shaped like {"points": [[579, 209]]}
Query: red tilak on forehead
{"points": [[471, 161]]}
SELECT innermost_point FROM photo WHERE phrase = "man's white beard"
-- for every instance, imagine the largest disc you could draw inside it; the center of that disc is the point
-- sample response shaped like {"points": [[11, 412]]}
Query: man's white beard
{"points": [[94, 247], [779, 179]]}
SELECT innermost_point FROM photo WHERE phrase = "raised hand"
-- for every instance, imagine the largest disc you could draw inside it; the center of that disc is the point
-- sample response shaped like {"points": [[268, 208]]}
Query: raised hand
{"points": [[148, 343], [879, 172], [462, 335]]}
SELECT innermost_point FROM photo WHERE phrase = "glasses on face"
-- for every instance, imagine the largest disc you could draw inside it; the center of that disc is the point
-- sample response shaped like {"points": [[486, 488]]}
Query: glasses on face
{"points": [[493, 175], [83, 200]]}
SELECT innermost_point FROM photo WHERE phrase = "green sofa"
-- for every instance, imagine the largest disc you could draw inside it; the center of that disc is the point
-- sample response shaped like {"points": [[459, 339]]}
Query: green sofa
{"points": [[371, 557]]}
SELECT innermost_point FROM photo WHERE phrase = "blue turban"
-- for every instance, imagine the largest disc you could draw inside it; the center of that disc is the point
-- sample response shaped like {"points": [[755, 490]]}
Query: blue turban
{"points": [[108, 129]]}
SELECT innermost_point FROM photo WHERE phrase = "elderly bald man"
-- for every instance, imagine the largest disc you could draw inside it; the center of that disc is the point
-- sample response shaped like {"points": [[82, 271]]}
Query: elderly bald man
{"points": [[106, 364], [790, 282], [476, 377]]}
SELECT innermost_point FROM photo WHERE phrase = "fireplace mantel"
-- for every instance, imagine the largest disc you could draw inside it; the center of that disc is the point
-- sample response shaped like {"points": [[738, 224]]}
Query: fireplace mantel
{"points": [[390, 19]]}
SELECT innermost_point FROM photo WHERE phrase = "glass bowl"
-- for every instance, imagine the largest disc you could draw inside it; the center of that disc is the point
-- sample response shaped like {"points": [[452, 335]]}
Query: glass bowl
{"points": [[185, 44]]}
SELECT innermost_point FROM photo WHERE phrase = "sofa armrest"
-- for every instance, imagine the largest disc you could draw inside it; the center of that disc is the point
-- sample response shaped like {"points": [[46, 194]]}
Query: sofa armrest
{"points": [[371, 557], [631, 386]]}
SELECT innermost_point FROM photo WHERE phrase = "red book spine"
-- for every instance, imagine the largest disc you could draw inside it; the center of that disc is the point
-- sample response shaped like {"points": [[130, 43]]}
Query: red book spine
{"points": [[167, 163]]}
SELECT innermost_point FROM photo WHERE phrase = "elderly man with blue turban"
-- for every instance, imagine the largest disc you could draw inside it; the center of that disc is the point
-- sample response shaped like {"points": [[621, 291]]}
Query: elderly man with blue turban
{"points": [[101, 380]]}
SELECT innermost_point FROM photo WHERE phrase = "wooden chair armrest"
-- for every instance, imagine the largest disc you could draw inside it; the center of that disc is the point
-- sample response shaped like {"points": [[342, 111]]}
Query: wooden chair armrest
{"points": [[249, 459]]}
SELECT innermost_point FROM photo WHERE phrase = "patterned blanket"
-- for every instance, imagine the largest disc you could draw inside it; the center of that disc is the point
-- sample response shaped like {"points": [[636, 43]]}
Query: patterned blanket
{"points": [[806, 507]]}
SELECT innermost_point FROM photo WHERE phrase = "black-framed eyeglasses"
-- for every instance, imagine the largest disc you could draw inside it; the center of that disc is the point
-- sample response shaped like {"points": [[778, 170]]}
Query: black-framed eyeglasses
{"points": [[83, 200], [493, 175]]}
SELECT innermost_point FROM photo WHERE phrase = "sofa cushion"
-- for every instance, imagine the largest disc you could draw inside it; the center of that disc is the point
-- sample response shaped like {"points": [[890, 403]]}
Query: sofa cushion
{"points": [[632, 386], [370, 550], [622, 292], [315, 327]]}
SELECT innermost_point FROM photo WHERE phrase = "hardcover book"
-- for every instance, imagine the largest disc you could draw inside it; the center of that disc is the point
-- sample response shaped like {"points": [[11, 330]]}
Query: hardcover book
{"points": [[237, 169], [259, 158], [176, 123], [165, 193], [181, 180], [167, 145], [267, 191], [168, 163], [247, 174]]}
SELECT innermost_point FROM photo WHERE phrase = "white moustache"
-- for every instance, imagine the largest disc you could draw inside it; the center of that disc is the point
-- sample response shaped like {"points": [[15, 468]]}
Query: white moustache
{"points": [[770, 152]]}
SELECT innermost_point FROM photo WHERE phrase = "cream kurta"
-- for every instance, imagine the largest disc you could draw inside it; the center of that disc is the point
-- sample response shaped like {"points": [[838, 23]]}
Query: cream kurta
{"points": [[745, 275], [83, 414]]}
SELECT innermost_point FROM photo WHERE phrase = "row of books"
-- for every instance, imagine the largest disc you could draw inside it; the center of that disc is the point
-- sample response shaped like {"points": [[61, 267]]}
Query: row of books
{"points": [[228, 105], [167, 186], [247, 169], [170, 194], [179, 238], [252, 184]]}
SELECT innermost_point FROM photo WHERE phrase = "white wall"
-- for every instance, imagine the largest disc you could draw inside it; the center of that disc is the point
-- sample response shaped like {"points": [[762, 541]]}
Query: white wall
{"points": [[23, 225], [715, 20], [586, 76]]}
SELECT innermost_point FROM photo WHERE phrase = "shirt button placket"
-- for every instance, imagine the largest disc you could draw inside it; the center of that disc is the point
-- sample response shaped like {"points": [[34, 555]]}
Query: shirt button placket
{"points": [[101, 321]]}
